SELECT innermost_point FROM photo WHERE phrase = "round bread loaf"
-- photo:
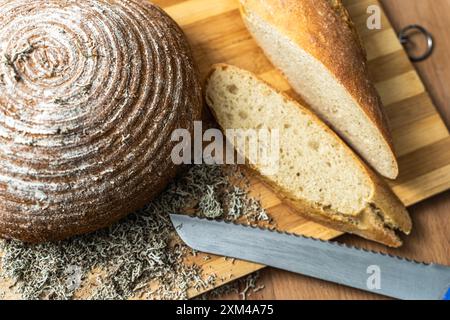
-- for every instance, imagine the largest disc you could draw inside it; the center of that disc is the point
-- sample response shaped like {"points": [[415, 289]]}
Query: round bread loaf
{"points": [[90, 92]]}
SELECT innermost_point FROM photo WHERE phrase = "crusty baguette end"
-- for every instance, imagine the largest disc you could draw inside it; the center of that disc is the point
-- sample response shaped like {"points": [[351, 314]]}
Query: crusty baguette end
{"points": [[316, 46]]}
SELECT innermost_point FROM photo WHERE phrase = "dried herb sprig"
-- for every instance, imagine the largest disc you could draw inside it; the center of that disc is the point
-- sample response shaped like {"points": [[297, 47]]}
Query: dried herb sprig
{"points": [[243, 288], [61, 101], [130, 254], [10, 61]]}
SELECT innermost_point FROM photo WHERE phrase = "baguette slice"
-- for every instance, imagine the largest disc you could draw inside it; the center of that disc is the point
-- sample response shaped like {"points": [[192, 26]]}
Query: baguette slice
{"points": [[318, 174], [316, 46]]}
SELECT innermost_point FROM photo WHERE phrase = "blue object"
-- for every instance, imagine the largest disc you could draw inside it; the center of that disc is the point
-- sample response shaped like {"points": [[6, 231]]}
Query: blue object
{"points": [[447, 295]]}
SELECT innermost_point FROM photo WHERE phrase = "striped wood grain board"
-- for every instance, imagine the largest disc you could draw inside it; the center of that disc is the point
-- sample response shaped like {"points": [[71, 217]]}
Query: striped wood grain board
{"points": [[422, 141]]}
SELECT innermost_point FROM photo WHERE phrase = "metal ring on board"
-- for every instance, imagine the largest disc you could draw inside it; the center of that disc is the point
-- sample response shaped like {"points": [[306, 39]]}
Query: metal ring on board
{"points": [[405, 39]]}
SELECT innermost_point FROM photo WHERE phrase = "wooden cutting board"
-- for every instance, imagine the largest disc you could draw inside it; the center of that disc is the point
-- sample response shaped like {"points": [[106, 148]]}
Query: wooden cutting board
{"points": [[422, 141]]}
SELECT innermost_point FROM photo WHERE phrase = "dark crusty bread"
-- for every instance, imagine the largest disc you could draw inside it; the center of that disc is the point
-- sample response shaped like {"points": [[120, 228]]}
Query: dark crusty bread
{"points": [[90, 92], [314, 43], [318, 174]]}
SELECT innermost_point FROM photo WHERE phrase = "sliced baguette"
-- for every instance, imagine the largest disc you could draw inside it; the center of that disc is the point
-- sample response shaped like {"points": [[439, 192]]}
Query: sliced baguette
{"points": [[318, 174], [316, 46]]}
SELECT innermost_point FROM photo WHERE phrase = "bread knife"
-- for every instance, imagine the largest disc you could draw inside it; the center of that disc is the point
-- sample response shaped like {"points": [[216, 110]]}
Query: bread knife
{"points": [[366, 270]]}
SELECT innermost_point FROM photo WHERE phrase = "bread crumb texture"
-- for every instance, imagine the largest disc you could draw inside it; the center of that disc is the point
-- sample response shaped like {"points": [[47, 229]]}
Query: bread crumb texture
{"points": [[317, 173]]}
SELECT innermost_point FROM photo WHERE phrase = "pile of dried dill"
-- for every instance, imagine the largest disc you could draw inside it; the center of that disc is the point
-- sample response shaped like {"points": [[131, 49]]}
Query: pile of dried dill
{"points": [[120, 262]]}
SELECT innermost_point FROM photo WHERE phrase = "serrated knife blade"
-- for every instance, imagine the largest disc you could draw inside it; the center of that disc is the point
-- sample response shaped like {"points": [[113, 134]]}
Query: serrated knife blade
{"points": [[370, 271]]}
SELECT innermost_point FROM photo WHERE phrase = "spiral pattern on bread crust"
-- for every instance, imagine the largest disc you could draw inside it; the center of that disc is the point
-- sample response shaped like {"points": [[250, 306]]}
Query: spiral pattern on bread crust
{"points": [[90, 92]]}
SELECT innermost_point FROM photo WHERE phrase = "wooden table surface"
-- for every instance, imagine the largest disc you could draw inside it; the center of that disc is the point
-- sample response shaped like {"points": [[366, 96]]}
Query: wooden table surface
{"points": [[430, 240]]}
